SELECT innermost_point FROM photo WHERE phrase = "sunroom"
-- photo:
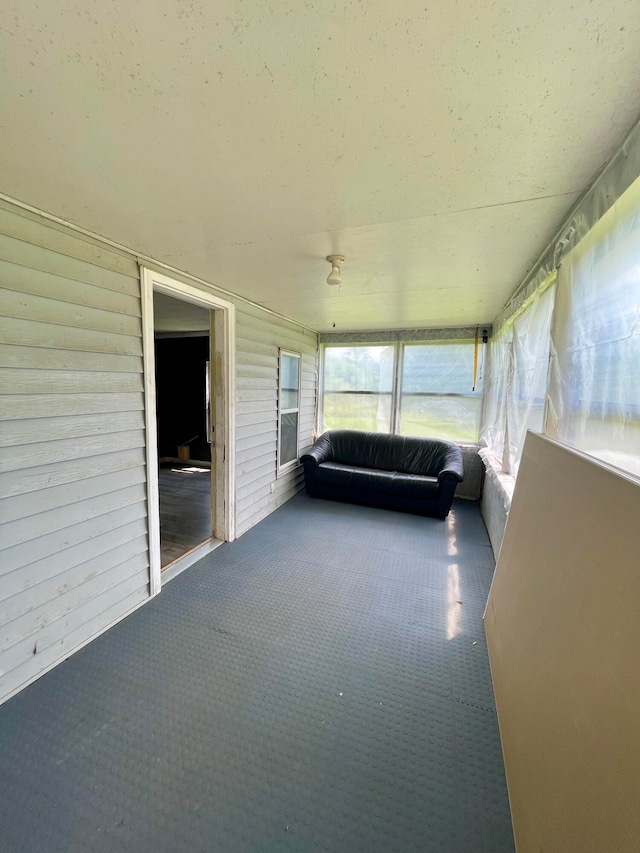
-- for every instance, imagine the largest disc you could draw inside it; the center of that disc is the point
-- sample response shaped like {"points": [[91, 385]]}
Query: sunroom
{"points": [[314, 675]]}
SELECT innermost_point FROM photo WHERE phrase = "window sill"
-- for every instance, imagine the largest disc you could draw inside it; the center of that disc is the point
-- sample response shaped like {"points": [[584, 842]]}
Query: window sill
{"points": [[291, 466], [504, 483]]}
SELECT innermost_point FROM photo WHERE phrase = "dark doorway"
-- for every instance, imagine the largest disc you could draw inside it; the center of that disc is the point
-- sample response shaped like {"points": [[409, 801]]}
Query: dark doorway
{"points": [[184, 431], [181, 371]]}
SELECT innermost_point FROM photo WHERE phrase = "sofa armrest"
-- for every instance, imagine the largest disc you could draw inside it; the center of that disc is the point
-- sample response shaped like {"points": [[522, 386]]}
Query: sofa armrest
{"points": [[446, 490], [319, 452], [453, 471], [452, 464]]}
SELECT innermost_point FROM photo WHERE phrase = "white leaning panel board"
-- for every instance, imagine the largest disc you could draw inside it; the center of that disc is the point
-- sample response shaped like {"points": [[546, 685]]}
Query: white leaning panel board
{"points": [[563, 631]]}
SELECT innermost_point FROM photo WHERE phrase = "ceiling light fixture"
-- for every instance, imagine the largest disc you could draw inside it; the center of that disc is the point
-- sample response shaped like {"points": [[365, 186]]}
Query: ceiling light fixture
{"points": [[334, 276]]}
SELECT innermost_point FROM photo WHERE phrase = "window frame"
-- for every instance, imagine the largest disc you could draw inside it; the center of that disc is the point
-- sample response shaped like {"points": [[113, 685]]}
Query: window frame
{"points": [[399, 347], [292, 463], [404, 345], [352, 345]]}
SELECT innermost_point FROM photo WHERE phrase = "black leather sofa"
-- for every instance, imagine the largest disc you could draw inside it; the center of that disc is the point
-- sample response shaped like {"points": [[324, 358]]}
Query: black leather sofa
{"points": [[412, 474]]}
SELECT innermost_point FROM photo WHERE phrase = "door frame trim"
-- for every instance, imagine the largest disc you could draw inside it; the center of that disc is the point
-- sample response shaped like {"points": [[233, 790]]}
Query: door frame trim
{"points": [[224, 369]]}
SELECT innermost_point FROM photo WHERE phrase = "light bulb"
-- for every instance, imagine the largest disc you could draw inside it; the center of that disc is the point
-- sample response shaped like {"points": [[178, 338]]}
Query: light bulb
{"points": [[334, 277]]}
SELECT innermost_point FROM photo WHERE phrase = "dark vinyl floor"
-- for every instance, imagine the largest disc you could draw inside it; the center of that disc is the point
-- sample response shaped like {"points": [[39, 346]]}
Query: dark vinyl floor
{"points": [[185, 509], [320, 685]]}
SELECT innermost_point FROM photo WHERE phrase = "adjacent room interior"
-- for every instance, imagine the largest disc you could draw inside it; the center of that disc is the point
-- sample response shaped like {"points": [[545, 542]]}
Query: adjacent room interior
{"points": [[184, 424]]}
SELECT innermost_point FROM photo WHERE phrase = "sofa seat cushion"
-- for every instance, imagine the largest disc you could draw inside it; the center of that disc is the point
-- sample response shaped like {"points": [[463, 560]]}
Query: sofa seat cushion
{"points": [[343, 476]]}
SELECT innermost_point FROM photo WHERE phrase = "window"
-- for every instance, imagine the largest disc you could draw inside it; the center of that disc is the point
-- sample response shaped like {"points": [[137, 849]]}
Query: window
{"points": [[423, 389], [493, 431], [516, 387], [594, 392], [288, 410], [437, 397], [358, 382], [528, 378], [568, 362]]}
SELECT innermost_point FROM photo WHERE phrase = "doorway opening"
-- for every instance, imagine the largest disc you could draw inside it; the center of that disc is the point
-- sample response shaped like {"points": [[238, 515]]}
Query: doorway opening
{"points": [[189, 413], [184, 425]]}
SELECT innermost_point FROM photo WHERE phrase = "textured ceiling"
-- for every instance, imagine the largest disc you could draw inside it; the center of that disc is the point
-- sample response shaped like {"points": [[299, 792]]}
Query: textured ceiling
{"points": [[437, 146]]}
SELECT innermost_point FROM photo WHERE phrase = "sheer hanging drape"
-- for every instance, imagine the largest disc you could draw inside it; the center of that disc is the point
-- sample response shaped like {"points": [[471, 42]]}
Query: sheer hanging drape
{"points": [[530, 367], [518, 367], [493, 431], [594, 390]]}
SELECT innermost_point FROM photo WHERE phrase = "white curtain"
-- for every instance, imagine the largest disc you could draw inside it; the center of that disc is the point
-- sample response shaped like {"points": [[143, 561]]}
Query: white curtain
{"points": [[492, 433], [594, 390], [518, 369], [528, 376]]}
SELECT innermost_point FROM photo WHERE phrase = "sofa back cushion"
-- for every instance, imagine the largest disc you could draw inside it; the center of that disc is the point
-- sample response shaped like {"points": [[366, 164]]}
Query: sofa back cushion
{"points": [[408, 455]]}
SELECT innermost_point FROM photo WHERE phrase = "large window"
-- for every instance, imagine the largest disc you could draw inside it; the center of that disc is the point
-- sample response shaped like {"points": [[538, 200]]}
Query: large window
{"points": [[568, 363], [437, 391], [594, 390], [424, 389], [358, 382], [288, 410]]}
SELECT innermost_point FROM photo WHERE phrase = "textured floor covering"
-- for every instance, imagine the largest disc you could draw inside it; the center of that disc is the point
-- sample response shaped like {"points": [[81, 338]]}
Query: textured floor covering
{"points": [[320, 685], [185, 510]]}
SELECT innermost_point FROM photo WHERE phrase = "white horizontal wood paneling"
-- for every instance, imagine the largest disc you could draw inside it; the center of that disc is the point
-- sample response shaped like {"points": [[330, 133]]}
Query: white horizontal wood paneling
{"points": [[66, 635], [21, 506], [246, 373], [49, 590], [259, 337], [53, 247], [25, 480], [262, 505], [51, 310], [29, 577], [57, 336], [85, 531], [254, 479], [50, 359], [252, 431], [66, 381], [74, 552], [32, 431], [40, 283], [251, 396], [55, 606], [261, 414], [34, 455], [61, 516], [253, 454], [19, 406], [73, 511]]}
